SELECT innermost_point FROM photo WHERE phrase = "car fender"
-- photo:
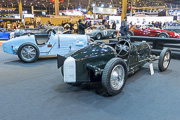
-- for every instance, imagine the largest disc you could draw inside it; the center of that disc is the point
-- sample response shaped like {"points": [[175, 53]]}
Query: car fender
{"points": [[163, 33], [11, 46], [29, 43]]}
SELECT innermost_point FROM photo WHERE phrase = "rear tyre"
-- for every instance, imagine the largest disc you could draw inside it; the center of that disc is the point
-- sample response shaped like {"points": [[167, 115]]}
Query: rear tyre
{"points": [[163, 35], [114, 76], [114, 35], [98, 36], [164, 59], [28, 53]]}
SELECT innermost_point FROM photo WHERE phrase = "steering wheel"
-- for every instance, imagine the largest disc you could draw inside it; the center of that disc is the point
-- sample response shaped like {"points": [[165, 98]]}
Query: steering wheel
{"points": [[51, 30], [123, 47]]}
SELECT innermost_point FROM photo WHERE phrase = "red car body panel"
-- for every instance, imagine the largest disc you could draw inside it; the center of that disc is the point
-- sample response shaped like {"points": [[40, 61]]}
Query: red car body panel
{"points": [[154, 32]]}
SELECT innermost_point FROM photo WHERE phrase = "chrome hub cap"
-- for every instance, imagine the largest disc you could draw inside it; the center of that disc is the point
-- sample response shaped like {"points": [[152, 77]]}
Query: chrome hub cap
{"points": [[28, 53], [98, 36], [117, 77], [114, 35], [166, 60]]}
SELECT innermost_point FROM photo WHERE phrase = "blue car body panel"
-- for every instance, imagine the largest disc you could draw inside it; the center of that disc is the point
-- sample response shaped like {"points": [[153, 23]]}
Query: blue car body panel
{"points": [[59, 44], [4, 35]]}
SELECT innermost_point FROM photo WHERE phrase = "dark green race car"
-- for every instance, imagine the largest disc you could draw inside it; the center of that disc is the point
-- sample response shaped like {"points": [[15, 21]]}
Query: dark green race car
{"points": [[109, 63], [99, 32]]}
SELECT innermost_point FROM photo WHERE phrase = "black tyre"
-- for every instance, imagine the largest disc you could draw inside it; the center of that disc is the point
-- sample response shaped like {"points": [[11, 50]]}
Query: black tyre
{"points": [[62, 71], [130, 33], [164, 59], [114, 76], [98, 36], [114, 35], [163, 35], [28, 53]]}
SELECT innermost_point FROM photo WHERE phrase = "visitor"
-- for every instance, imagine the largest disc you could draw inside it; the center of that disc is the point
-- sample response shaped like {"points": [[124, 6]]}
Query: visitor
{"points": [[124, 28], [81, 27], [114, 25]]}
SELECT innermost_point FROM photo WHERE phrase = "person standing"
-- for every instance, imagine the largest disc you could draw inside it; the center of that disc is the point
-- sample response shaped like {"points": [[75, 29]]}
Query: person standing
{"points": [[124, 28], [75, 27], [114, 25], [81, 27]]}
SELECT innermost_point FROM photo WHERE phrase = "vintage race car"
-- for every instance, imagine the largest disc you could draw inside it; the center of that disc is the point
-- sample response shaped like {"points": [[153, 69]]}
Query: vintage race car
{"points": [[175, 27], [99, 32], [4, 35], [109, 63], [147, 31], [20, 32], [30, 47]]}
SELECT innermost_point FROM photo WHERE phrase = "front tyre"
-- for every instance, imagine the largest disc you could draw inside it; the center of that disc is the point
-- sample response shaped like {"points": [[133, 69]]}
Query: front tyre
{"points": [[114, 76], [164, 59], [98, 36], [163, 35], [28, 53], [114, 35]]}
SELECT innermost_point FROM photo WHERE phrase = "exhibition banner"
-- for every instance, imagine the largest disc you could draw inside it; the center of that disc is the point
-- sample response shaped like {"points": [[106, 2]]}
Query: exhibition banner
{"points": [[101, 10]]}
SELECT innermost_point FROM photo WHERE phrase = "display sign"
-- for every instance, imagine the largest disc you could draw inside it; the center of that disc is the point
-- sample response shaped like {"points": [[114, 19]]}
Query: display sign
{"points": [[101, 10]]}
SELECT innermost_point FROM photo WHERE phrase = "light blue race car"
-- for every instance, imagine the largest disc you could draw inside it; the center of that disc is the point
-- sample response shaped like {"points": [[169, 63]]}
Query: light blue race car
{"points": [[31, 46]]}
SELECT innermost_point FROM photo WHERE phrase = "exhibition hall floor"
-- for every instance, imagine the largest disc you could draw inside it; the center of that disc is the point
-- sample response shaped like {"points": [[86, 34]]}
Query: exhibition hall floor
{"points": [[36, 91]]}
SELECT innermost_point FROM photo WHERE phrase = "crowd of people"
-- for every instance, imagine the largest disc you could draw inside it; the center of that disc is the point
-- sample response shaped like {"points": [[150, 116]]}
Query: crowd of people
{"points": [[10, 26]]}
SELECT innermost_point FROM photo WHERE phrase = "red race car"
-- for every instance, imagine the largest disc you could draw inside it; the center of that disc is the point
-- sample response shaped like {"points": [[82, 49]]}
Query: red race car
{"points": [[152, 32]]}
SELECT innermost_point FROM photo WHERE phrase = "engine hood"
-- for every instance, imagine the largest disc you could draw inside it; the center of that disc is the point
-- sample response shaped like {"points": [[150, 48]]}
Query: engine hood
{"points": [[93, 51], [90, 54]]}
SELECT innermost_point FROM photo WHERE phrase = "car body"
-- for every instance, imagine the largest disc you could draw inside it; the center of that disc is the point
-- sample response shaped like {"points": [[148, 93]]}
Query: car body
{"points": [[99, 32], [30, 47], [152, 32], [4, 35], [174, 27], [109, 63], [20, 32]]}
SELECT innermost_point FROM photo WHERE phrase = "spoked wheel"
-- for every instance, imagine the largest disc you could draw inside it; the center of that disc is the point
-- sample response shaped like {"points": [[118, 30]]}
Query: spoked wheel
{"points": [[164, 59], [114, 76], [114, 35], [130, 33], [123, 47], [98, 36], [28, 53], [163, 35]]}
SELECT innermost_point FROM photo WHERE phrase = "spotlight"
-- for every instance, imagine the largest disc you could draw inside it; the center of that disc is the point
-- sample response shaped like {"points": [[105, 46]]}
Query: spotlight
{"points": [[110, 6], [102, 5], [93, 4]]}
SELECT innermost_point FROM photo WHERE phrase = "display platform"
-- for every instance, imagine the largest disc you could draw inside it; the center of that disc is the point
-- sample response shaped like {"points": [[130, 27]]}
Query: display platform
{"points": [[37, 91]]}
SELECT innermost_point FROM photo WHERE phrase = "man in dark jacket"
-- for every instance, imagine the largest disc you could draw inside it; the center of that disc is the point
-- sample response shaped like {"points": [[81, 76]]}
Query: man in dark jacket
{"points": [[124, 28], [81, 27]]}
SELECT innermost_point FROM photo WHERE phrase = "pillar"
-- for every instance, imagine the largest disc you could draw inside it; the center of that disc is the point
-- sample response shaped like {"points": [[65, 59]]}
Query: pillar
{"points": [[20, 9], [56, 7], [32, 9], [124, 9]]}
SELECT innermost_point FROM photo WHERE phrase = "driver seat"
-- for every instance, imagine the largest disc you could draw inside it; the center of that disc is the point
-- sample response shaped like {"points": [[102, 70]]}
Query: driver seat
{"points": [[41, 39]]}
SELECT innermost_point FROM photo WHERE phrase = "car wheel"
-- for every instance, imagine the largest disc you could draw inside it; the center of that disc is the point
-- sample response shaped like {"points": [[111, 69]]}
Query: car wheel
{"points": [[114, 35], [28, 53], [164, 59], [114, 76], [163, 35], [130, 33], [62, 72], [98, 36]]}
